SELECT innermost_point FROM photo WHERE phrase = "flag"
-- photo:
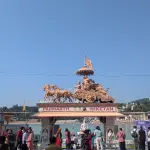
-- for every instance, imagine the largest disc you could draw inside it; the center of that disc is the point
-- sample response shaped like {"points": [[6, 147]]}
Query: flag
{"points": [[24, 107], [88, 62]]}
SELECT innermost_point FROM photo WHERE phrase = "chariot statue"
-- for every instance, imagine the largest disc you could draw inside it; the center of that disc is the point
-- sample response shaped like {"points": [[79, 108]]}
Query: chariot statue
{"points": [[90, 91], [86, 91]]}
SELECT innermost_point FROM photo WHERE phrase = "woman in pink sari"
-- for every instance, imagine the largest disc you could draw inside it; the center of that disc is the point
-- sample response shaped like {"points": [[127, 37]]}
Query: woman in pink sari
{"points": [[59, 137], [30, 140], [68, 139]]}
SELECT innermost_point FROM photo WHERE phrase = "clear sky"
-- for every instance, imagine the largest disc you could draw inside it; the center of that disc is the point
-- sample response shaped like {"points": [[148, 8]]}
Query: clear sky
{"points": [[41, 41]]}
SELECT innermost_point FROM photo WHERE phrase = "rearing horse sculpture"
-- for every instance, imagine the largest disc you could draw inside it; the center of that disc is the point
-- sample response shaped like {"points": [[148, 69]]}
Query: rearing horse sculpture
{"points": [[48, 91], [53, 90]]}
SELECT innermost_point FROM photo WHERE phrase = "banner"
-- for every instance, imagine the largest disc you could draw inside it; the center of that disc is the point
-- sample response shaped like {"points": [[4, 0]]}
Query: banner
{"points": [[144, 124]]}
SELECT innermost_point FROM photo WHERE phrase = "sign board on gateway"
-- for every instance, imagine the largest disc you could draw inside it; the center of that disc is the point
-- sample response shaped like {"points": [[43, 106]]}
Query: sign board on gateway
{"points": [[79, 109]]}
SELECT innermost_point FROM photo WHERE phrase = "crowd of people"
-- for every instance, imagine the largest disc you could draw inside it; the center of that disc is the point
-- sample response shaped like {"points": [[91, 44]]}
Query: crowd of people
{"points": [[24, 140], [87, 140], [139, 137]]}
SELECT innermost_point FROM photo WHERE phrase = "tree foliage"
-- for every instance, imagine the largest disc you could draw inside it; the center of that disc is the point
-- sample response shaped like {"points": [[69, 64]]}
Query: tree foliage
{"points": [[141, 105]]}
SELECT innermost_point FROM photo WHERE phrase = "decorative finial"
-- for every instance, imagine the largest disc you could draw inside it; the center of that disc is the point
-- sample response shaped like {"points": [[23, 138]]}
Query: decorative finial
{"points": [[87, 69]]}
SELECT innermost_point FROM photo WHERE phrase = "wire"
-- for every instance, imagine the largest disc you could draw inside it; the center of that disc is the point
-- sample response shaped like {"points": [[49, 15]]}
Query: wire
{"points": [[63, 75]]}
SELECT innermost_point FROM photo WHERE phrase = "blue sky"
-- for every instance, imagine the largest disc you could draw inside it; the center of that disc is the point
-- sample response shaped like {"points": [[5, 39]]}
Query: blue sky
{"points": [[52, 38]]}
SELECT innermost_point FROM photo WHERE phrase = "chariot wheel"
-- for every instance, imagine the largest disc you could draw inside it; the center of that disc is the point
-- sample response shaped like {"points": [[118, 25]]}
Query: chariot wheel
{"points": [[90, 97]]}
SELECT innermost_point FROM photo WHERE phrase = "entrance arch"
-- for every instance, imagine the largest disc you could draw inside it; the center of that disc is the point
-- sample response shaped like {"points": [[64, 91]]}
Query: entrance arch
{"points": [[50, 112]]}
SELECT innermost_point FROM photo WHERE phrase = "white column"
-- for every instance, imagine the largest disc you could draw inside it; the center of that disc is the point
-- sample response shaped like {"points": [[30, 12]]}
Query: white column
{"points": [[52, 121], [47, 126], [45, 132]]}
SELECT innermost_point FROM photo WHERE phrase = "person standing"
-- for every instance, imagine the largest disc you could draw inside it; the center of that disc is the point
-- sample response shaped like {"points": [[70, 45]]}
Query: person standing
{"points": [[74, 142], [6, 136], [3, 146], [142, 138], [11, 139], [98, 134], [30, 139], [6, 133], [121, 138], [86, 140], [24, 140], [134, 134], [148, 134], [93, 139], [59, 137], [68, 139], [90, 141], [53, 145], [81, 133], [19, 138]]}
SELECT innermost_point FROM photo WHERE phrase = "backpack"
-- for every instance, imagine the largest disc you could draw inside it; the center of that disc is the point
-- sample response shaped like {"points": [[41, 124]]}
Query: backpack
{"points": [[134, 134]]}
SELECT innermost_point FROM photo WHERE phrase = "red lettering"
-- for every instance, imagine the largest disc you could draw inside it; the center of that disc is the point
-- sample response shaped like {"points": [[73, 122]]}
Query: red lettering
{"points": [[107, 109], [97, 109], [112, 108], [92, 108], [45, 108], [67, 108], [100, 108]]}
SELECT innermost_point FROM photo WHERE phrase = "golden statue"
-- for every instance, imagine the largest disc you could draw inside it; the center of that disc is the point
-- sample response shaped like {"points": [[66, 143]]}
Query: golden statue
{"points": [[87, 91], [47, 89], [88, 63], [77, 87], [61, 93], [86, 82]]}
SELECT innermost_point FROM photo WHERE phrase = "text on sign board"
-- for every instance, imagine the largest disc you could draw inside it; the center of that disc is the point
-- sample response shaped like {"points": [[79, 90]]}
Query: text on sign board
{"points": [[91, 109]]}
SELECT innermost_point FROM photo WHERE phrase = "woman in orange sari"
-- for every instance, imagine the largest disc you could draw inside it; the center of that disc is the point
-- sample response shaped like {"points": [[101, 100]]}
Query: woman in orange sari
{"points": [[30, 140], [58, 137]]}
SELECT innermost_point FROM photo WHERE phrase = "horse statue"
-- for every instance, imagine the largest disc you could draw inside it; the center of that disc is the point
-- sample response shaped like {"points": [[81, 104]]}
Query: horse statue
{"points": [[47, 89], [62, 93], [54, 91]]}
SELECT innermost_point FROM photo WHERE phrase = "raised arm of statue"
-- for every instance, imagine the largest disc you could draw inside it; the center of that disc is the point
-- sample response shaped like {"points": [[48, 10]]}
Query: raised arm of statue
{"points": [[88, 62], [78, 86]]}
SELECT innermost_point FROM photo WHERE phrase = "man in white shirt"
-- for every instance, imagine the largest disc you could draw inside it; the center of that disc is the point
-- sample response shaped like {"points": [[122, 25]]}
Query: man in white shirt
{"points": [[24, 139]]}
